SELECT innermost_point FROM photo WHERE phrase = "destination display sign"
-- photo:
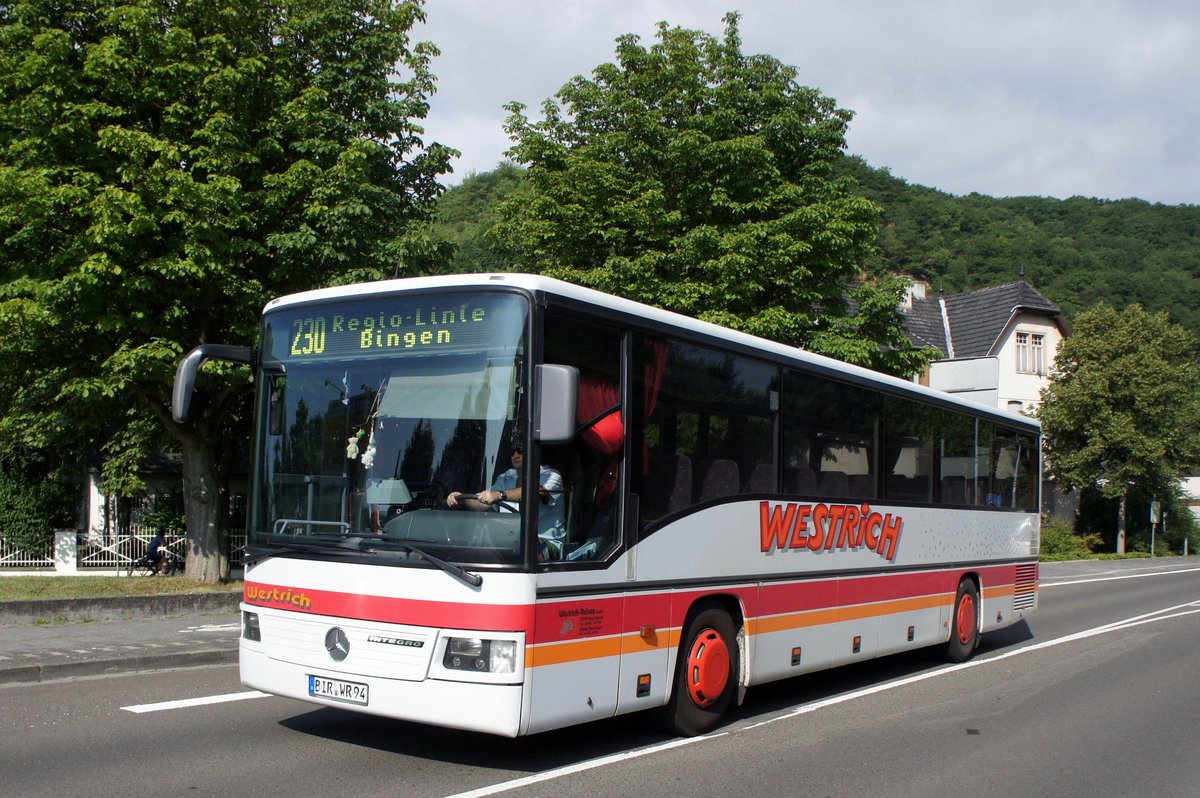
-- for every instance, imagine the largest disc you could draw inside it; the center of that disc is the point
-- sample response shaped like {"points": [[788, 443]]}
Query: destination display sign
{"points": [[377, 328]]}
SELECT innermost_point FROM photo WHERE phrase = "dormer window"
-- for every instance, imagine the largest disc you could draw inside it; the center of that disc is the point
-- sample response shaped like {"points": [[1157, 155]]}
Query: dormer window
{"points": [[1031, 349]]}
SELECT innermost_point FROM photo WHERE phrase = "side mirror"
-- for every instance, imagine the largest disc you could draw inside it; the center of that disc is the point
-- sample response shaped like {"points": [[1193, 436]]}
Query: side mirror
{"points": [[554, 408], [185, 373]]}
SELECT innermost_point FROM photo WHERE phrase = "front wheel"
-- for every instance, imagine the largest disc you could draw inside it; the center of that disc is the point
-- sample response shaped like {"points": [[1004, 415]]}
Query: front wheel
{"points": [[964, 624], [706, 675]]}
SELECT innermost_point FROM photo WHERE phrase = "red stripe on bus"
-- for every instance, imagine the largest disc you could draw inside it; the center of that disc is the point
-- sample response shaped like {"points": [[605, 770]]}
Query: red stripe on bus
{"points": [[576, 619], [385, 609]]}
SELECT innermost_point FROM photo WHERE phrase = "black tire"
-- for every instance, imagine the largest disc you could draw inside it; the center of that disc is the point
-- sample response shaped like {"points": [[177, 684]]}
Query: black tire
{"points": [[964, 624], [141, 567], [706, 675]]}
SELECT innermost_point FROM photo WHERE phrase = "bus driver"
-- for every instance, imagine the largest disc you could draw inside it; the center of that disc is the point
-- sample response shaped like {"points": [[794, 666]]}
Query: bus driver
{"points": [[507, 489]]}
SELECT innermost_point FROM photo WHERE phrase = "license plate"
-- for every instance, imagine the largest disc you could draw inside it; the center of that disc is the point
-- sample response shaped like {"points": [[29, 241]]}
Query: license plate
{"points": [[336, 689]]}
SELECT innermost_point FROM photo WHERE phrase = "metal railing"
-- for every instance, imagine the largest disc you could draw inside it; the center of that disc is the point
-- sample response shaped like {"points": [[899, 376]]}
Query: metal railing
{"points": [[127, 533], [96, 552], [12, 556], [117, 551]]}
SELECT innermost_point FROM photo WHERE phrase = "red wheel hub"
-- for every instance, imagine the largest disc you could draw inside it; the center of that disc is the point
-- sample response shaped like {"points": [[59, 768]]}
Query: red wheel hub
{"points": [[707, 668], [966, 619]]}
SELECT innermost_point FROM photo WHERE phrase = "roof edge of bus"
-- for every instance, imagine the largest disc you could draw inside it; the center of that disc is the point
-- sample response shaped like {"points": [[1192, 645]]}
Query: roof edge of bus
{"points": [[535, 283]]}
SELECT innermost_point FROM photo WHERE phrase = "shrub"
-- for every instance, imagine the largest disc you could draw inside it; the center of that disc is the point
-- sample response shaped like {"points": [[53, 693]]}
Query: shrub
{"points": [[1059, 541], [32, 507]]}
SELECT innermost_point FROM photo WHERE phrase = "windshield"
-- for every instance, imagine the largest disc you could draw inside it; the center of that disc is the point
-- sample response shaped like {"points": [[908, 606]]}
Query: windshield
{"points": [[371, 411]]}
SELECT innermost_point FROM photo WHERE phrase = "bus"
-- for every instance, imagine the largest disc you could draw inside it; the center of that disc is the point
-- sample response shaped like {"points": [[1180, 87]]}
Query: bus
{"points": [[710, 511]]}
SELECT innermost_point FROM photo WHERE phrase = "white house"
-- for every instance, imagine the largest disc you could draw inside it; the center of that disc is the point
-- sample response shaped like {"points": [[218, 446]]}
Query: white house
{"points": [[997, 348], [997, 344]]}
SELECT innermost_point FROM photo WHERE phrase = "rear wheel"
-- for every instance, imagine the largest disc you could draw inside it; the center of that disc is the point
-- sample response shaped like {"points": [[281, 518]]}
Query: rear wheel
{"points": [[964, 623], [140, 567], [706, 674]]}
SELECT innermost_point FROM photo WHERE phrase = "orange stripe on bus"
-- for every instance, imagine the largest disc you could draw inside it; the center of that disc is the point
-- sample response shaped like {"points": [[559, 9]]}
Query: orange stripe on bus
{"points": [[558, 653], [580, 650], [1000, 591], [799, 620], [633, 643]]}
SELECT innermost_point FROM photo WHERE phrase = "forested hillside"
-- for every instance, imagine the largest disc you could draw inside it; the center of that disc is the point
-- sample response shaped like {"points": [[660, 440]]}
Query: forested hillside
{"points": [[464, 215], [1077, 251]]}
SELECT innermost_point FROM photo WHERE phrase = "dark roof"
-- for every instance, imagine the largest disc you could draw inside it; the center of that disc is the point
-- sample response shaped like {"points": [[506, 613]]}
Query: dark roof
{"points": [[977, 320], [925, 327]]}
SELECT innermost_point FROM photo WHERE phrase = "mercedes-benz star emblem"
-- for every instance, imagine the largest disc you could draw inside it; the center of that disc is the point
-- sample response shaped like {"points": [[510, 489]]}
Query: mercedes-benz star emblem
{"points": [[337, 644]]}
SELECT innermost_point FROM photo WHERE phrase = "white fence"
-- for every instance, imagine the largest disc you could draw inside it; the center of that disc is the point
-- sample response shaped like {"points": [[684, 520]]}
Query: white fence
{"points": [[80, 552], [13, 557], [120, 535]]}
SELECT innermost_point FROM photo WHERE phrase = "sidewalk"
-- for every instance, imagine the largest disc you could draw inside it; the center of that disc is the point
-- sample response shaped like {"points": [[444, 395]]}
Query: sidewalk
{"points": [[69, 638]]}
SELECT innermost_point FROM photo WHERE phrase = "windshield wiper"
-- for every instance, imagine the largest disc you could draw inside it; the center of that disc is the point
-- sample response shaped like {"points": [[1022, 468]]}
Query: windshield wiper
{"points": [[473, 579], [348, 545], [289, 548]]}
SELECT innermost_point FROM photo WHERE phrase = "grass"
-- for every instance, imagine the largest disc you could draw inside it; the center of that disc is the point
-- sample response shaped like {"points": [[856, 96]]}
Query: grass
{"points": [[22, 588]]}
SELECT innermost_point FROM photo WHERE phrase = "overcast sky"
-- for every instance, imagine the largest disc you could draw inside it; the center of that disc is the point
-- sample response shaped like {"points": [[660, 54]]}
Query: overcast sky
{"points": [[1052, 98]]}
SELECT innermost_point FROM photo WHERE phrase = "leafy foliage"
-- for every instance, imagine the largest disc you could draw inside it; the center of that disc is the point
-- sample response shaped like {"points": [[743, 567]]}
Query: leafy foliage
{"points": [[32, 503], [1099, 517], [465, 217], [1059, 542], [1078, 251], [167, 167], [691, 176], [1123, 406]]}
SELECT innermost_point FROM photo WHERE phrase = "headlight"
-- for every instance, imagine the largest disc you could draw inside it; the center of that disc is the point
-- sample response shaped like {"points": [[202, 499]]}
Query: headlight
{"points": [[464, 646], [250, 628], [479, 655]]}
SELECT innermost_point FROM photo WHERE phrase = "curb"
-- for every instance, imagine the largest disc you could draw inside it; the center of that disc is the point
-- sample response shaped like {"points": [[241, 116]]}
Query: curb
{"points": [[24, 674], [117, 607]]}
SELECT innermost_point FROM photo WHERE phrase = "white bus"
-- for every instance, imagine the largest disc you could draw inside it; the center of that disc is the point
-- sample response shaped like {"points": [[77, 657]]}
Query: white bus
{"points": [[713, 510]]}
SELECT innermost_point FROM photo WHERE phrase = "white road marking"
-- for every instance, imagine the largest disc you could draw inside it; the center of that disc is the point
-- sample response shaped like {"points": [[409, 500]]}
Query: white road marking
{"points": [[1167, 613], [212, 627], [1128, 623], [1190, 608], [591, 764], [1088, 579], [195, 702]]}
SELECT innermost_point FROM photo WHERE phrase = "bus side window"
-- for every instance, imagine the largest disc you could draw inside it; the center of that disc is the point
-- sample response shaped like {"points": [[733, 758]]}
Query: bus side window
{"points": [[1013, 471], [708, 426], [956, 468], [591, 464], [1030, 478], [829, 433], [908, 449]]}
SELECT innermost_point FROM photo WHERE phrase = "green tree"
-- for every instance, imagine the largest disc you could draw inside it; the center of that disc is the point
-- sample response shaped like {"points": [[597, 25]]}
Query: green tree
{"points": [[691, 176], [1123, 407], [166, 166]]}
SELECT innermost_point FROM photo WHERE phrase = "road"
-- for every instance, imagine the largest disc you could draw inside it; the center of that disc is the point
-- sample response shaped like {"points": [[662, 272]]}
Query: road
{"points": [[1098, 695]]}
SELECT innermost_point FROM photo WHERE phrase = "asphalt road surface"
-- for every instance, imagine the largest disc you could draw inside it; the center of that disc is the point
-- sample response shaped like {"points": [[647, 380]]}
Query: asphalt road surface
{"points": [[1099, 695]]}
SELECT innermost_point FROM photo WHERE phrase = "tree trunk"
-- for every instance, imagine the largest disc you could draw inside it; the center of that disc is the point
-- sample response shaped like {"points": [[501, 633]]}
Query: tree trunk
{"points": [[207, 558]]}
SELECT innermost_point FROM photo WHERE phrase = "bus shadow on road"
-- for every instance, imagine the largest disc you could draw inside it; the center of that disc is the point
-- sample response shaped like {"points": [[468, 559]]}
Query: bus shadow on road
{"points": [[519, 757], [576, 744], [765, 701]]}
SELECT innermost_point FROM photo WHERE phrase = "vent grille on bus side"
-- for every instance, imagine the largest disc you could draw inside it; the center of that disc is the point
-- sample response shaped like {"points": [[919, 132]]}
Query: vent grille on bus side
{"points": [[1025, 594]]}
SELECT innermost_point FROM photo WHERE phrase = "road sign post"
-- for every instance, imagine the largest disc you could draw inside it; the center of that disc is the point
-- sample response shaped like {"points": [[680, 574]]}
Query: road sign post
{"points": [[1155, 518]]}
